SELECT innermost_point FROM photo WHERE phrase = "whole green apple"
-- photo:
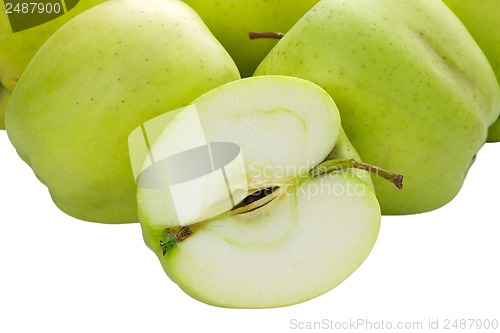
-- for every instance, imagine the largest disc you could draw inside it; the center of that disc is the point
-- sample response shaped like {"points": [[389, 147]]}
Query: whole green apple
{"points": [[494, 132], [4, 99], [95, 80], [231, 21], [17, 48], [482, 19], [293, 227], [415, 92]]}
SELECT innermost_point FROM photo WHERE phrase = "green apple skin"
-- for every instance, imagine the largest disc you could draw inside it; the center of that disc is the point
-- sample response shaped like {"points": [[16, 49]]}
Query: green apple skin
{"points": [[481, 18], [232, 20], [415, 92], [294, 248], [17, 49], [4, 99], [97, 78], [494, 132]]}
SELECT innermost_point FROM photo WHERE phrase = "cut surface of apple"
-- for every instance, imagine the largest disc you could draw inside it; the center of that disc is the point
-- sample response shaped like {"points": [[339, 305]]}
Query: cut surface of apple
{"points": [[298, 232], [295, 248]]}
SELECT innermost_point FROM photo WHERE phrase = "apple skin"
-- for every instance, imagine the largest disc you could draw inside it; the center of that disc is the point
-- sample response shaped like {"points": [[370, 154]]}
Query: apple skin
{"points": [[4, 99], [411, 99], [17, 49], [98, 77], [494, 132], [232, 20], [482, 19]]}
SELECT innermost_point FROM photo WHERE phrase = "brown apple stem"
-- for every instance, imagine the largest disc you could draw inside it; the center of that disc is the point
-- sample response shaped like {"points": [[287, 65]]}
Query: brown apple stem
{"points": [[345, 164], [176, 235], [265, 34]]}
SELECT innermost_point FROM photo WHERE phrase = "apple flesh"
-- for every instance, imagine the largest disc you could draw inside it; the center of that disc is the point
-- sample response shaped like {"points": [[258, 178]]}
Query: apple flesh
{"points": [[98, 77], [415, 92], [17, 49], [295, 248], [306, 221]]}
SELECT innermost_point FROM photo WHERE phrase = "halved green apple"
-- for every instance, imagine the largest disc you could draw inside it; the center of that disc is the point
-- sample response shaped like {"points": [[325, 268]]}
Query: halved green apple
{"points": [[301, 214]]}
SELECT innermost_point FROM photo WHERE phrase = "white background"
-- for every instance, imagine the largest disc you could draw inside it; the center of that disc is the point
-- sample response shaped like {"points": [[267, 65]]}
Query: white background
{"points": [[59, 274]]}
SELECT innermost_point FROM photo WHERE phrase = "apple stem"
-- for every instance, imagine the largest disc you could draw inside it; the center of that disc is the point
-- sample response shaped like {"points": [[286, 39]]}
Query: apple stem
{"points": [[173, 237], [265, 34], [340, 165], [179, 234]]}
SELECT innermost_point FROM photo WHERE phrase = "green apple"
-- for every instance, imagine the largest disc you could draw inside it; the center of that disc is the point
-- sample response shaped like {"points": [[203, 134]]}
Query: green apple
{"points": [[97, 78], [494, 132], [415, 92], [300, 221], [231, 21], [17, 48], [4, 98], [482, 19]]}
